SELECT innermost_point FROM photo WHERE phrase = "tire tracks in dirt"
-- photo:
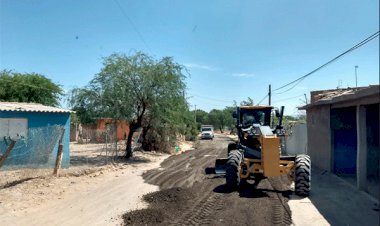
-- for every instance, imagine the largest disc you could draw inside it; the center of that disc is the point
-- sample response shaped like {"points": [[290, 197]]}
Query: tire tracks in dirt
{"points": [[200, 213], [185, 169], [281, 211]]}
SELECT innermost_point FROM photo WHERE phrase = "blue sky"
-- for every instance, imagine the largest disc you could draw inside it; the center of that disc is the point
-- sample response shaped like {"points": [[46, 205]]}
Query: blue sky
{"points": [[233, 49]]}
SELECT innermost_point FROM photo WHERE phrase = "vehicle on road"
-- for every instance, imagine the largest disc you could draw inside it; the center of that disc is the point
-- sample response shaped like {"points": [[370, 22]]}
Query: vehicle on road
{"points": [[207, 132], [257, 153]]}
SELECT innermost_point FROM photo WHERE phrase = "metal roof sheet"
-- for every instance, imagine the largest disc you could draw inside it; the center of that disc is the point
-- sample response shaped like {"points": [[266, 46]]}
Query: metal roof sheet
{"points": [[323, 97], [30, 107]]}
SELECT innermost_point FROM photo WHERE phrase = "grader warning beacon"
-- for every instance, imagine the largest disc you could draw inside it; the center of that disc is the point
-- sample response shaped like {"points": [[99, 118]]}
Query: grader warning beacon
{"points": [[257, 154]]}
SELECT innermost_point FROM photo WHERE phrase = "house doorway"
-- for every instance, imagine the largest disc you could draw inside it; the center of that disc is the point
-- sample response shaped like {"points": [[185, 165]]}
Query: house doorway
{"points": [[343, 130]]}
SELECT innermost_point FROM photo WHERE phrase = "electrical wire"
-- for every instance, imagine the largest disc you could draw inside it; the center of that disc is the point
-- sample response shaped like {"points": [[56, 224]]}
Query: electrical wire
{"points": [[289, 98], [133, 26], [297, 81], [213, 99], [292, 87], [262, 100], [213, 104]]}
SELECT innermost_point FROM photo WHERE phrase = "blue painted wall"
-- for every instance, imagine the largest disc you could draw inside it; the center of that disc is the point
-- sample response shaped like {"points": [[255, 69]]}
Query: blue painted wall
{"points": [[28, 152]]}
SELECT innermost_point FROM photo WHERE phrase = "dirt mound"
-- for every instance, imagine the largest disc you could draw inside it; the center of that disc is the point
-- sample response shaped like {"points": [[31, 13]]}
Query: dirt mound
{"points": [[145, 217], [164, 206], [172, 195]]}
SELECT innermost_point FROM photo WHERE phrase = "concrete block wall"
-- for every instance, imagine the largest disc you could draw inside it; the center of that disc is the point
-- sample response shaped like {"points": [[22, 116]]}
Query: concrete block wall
{"points": [[319, 137], [296, 143]]}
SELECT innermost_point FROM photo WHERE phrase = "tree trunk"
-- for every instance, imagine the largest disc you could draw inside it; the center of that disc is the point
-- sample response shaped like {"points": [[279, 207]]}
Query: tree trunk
{"points": [[145, 143], [7, 153], [133, 126], [128, 149]]}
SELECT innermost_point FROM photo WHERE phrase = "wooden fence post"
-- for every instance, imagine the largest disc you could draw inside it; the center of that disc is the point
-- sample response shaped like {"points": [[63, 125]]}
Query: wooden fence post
{"points": [[58, 161]]}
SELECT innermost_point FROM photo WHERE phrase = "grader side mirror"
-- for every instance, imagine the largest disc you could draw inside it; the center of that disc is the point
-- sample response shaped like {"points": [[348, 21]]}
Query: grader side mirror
{"points": [[277, 113]]}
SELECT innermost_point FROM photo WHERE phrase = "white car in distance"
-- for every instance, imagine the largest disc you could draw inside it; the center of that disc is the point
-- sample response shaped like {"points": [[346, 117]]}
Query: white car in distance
{"points": [[207, 132]]}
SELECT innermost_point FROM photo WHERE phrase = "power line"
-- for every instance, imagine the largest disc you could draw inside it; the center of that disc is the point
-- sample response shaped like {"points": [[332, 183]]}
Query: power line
{"points": [[292, 87], [213, 99], [133, 26], [262, 100], [289, 98], [297, 81], [213, 104]]}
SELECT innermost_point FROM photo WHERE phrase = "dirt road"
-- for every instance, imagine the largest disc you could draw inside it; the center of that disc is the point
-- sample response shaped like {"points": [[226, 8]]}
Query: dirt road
{"points": [[95, 196], [190, 196]]}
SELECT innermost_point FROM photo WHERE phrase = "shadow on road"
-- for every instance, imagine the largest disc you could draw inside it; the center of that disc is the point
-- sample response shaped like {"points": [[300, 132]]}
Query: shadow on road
{"points": [[225, 139], [14, 183], [138, 160], [102, 160], [209, 170], [222, 189], [250, 190], [334, 198]]}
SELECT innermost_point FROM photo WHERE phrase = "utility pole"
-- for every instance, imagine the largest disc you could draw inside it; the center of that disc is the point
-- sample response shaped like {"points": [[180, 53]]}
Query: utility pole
{"points": [[270, 95], [305, 98], [356, 76], [195, 113]]}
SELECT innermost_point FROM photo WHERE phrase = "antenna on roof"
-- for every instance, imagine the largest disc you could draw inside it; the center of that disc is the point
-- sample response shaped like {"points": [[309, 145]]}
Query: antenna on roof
{"points": [[356, 75]]}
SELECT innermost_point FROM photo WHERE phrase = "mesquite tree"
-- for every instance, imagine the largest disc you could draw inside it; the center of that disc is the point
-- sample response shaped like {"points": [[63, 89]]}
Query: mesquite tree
{"points": [[145, 92]]}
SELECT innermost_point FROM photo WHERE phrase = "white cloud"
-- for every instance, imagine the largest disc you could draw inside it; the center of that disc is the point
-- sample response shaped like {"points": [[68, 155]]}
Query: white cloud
{"points": [[244, 75], [203, 67]]}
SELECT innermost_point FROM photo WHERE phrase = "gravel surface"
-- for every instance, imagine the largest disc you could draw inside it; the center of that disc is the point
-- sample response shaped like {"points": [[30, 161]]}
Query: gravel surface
{"points": [[189, 196]]}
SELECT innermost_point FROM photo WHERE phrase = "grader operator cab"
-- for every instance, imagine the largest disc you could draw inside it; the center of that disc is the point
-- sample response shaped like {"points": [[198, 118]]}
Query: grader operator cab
{"points": [[257, 153]]}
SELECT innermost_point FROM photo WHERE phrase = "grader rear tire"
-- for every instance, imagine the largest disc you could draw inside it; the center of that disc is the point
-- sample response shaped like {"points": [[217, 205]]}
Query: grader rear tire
{"points": [[302, 175], [233, 169]]}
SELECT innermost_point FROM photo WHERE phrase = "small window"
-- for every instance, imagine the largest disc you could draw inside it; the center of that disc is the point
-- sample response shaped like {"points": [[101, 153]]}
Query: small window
{"points": [[14, 128]]}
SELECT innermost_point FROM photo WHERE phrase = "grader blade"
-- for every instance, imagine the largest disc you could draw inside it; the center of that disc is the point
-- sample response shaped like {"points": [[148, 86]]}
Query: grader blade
{"points": [[220, 166]]}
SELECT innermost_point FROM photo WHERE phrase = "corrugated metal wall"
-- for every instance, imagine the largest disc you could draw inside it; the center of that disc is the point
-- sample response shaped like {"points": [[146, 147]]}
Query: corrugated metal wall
{"points": [[39, 148]]}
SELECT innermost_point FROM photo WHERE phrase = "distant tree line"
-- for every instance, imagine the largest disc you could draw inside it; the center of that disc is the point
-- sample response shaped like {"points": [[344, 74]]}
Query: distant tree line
{"points": [[28, 87], [222, 119]]}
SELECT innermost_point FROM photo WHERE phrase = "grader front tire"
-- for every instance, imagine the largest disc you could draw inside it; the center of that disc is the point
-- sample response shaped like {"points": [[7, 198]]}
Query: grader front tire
{"points": [[233, 169], [230, 147], [302, 175]]}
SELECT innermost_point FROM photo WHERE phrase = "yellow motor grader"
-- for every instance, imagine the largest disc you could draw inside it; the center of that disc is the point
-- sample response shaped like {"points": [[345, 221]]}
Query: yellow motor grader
{"points": [[257, 153]]}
